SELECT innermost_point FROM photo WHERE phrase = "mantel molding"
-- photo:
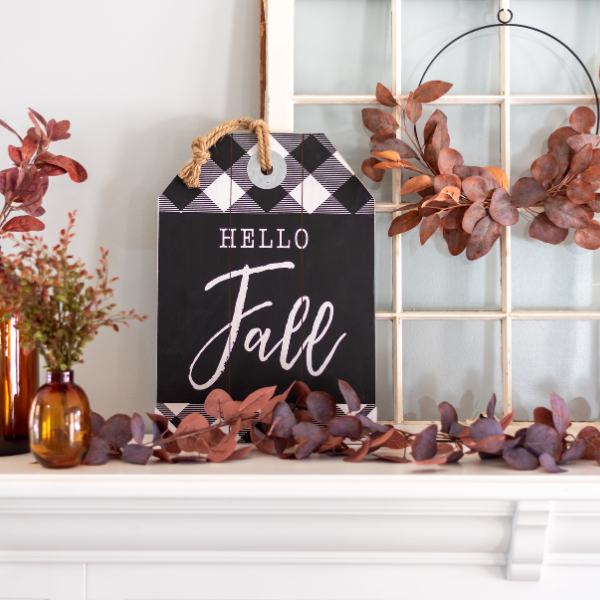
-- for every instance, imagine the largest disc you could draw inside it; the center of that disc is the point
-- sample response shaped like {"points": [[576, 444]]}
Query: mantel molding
{"points": [[275, 516]]}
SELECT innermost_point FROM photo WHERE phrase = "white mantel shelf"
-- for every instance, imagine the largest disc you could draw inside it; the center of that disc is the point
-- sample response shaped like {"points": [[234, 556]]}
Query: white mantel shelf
{"points": [[263, 528]]}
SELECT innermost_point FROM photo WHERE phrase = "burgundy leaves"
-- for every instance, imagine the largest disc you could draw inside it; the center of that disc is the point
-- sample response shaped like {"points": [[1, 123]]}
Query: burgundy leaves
{"points": [[312, 423], [24, 185], [567, 178], [469, 205]]}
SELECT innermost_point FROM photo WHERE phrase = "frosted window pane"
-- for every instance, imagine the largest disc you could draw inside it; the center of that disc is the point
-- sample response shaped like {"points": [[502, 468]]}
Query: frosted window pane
{"points": [[455, 361], [383, 262], [343, 126], [545, 276], [558, 356], [471, 64], [432, 278], [540, 65], [553, 277], [384, 383], [342, 46]]}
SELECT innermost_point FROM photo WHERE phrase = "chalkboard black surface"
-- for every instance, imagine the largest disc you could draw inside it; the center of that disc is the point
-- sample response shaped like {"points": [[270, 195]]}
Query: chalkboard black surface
{"points": [[265, 281]]}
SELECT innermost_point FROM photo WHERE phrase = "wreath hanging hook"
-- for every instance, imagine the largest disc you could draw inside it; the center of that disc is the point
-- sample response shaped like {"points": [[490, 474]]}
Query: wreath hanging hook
{"points": [[509, 18], [508, 23]]}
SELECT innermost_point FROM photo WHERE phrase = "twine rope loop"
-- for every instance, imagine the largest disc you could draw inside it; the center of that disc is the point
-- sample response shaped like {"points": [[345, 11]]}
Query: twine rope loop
{"points": [[190, 173]]}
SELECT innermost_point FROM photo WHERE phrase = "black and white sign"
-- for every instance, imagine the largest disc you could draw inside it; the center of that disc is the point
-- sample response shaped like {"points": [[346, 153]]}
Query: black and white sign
{"points": [[264, 280]]}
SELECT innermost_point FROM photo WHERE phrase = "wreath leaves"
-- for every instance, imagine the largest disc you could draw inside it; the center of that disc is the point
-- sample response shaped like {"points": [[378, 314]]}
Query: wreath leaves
{"points": [[561, 194]]}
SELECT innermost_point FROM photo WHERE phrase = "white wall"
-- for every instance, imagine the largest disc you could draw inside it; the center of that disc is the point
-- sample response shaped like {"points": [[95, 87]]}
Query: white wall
{"points": [[138, 80]]}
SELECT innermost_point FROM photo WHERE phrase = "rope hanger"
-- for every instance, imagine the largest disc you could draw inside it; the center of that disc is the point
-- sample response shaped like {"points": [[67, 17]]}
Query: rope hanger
{"points": [[190, 173]]}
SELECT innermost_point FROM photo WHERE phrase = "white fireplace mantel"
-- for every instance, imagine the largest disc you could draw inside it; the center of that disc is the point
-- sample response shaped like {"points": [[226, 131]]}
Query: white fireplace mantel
{"points": [[263, 528]]}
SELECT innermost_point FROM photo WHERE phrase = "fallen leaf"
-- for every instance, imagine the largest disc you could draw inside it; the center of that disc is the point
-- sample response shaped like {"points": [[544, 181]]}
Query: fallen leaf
{"points": [[591, 435], [136, 454], [506, 420], [240, 453], [117, 430], [137, 428], [213, 405], [194, 423], [283, 420], [520, 459], [574, 452], [393, 458], [304, 431], [321, 407], [357, 455], [549, 464], [306, 447], [97, 421], [560, 413], [424, 445], [541, 439], [448, 416], [352, 400], [98, 452], [345, 427]]}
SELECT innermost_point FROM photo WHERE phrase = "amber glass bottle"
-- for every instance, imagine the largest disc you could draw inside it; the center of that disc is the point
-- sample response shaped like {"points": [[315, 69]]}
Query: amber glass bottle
{"points": [[59, 422], [18, 384]]}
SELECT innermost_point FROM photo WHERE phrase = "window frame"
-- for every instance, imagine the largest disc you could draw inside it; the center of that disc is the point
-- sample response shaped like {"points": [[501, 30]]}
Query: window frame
{"points": [[279, 103]]}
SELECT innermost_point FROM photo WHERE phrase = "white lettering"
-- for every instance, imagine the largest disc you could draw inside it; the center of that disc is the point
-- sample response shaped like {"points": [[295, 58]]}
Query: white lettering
{"points": [[281, 240], [238, 315], [258, 339], [290, 329], [305, 239], [227, 237], [263, 339], [315, 337], [247, 238], [262, 240]]}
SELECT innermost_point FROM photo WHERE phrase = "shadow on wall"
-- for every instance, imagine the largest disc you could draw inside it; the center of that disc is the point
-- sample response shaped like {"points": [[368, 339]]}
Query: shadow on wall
{"points": [[466, 408]]}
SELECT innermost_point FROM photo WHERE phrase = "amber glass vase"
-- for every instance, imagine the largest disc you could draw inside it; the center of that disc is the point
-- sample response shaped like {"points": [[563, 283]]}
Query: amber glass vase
{"points": [[18, 384], [59, 422]]}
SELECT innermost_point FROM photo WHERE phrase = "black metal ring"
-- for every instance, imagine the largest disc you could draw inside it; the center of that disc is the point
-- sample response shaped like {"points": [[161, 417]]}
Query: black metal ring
{"points": [[508, 24], [504, 10]]}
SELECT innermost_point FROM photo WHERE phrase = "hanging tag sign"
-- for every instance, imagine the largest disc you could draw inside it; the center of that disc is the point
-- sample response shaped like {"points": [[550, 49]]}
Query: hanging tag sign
{"points": [[265, 279]]}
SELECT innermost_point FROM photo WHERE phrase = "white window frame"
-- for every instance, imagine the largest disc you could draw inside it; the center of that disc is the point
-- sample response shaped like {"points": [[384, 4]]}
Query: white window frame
{"points": [[280, 103]]}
